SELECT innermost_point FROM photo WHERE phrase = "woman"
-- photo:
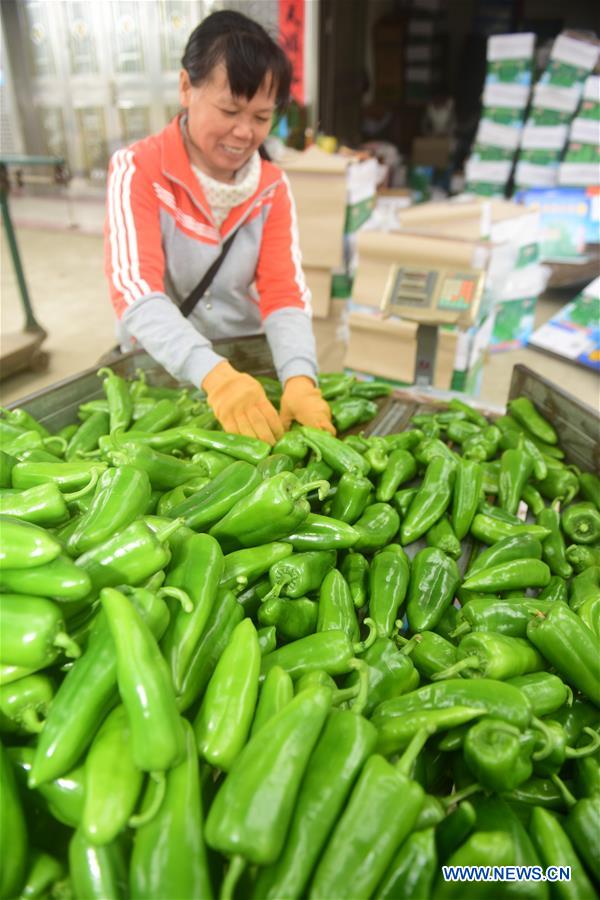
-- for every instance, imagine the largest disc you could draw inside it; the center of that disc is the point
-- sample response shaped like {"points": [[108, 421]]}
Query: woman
{"points": [[175, 197]]}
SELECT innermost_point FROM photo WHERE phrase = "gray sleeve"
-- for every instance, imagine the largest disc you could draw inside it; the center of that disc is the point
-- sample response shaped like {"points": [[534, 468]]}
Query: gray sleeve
{"points": [[169, 338], [292, 342]]}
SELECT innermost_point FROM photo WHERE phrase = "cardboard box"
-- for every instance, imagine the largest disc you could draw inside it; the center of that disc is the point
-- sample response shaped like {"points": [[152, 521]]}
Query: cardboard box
{"points": [[319, 282], [431, 151], [569, 217]]}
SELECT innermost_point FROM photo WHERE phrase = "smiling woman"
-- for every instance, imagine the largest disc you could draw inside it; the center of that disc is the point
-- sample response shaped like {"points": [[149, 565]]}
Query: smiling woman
{"points": [[178, 200]]}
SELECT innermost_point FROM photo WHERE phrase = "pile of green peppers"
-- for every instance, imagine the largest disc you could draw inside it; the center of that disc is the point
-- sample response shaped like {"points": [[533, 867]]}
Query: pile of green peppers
{"points": [[323, 669]]}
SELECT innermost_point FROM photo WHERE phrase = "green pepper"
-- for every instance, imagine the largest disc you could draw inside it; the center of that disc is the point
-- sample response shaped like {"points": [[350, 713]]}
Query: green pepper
{"points": [[274, 464], [569, 646], [390, 673], [527, 415], [401, 467], [68, 476], [459, 430], [534, 500], [292, 444], [345, 744], [589, 612], [24, 704], [376, 527], [63, 797], [225, 614], [556, 589], [357, 442], [498, 754], [122, 494], [558, 750], [585, 585], [487, 654], [516, 467], [120, 401], [466, 496], [442, 536], [13, 831], [494, 698], [214, 501], [403, 499], [589, 486], [7, 464], [371, 389], [44, 871], [583, 826], [582, 557], [483, 446], [370, 829], [553, 547], [505, 550], [170, 499], [351, 497], [389, 576], [472, 414], [33, 631], [322, 533], [355, 569], [157, 737], [340, 456], [244, 567], [431, 501], [433, 582], [509, 617], [544, 792], [429, 652], [335, 384], [22, 419], [559, 484], [97, 872], [331, 651], [197, 569], [300, 573], [581, 523], [267, 639], [292, 618], [276, 692], [112, 780], [336, 611], [411, 873], [225, 716], [43, 504], [169, 855], [489, 530], [455, 829], [515, 574], [272, 511], [555, 849], [350, 411], [87, 435], [163, 470], [163, 414], [250, 815], [25, 545], [238, 446]]}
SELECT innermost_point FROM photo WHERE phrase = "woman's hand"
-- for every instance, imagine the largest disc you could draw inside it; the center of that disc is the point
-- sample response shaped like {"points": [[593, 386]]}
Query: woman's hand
{"points": [[240, 404], [302, 402]]}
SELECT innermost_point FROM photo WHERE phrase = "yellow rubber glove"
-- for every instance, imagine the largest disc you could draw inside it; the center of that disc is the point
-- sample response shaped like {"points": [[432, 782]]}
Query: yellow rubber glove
{"points": [[240, 404], [302, 402]]}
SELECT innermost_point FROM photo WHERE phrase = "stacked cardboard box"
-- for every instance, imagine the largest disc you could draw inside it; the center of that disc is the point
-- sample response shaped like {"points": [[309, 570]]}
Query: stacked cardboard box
{"points": [[555, 100], [334, 195], [505, 98], [581, 163]]}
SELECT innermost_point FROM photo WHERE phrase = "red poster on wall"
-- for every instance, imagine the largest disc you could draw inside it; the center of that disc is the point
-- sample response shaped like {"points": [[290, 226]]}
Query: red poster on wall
{"points": [[291, 38]]}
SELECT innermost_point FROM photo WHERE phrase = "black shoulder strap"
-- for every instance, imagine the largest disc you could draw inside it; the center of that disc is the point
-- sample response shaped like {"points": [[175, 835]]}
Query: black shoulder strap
{"points": [[190, 301]]}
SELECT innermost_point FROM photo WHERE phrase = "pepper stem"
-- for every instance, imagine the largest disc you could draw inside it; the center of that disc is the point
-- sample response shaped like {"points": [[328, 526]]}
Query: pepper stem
{"points": [[177, 594], [463, 628], [64, 642], [360, 700], [105, 371], [320, 485], [312, 446], [75, 495], [57, 439], [163, 532], [361, 646], [578, 752], [408, 645], [548, 738], [469, 662], [409, 757], [461, 795], [236, 867], [564, 790], [275, 591], [136, 821]]}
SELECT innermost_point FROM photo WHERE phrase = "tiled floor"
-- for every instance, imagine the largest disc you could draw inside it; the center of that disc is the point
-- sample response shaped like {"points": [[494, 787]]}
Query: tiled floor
{"points": [[61, 247]]}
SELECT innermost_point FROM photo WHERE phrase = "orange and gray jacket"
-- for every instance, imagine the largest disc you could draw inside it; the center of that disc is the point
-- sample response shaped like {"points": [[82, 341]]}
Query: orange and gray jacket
{"points": [[160, 238]]}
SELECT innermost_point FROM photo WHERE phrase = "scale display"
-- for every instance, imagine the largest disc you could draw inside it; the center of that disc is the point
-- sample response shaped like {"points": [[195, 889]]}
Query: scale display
{"points": [[428, 295]]}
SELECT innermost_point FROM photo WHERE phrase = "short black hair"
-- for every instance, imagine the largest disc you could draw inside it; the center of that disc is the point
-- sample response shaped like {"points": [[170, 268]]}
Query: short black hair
{"points": [[248, 52]]}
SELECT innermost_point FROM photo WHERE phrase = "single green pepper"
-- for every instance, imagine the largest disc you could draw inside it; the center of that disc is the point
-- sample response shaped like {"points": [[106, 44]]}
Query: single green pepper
{"points": [[433, 583], [13, 831], [431, 501], [585, 585], [68, 476], [527, 415], [515, 574], [589, 486], [403, 499], [163, 470], [510, 617], [60, 580], [43, 504], [581, 523], [455, 829], [370, 831], [272, 511], [267, 639], [569, 646], [351, 497], [318, 532], [556, 589], [472, 414], [505, 550], [489, 655], [157, 736], [25, 545], [249, 818], [516, 467], [583, 826], [411, 873], [389, 575], [555, 849], [466, 496], [43, 874], [33, 632], [350, 411], [371, 389], [390, 672], [120, 401], [301, 573], [225, 716], [377, 526], [459, 430], [442, 536], [97, 873], [87, 435], [401, 467], [24, 704], [336, 611], [429, 652], [489, 530], [534, 500], [292, 444], [238, 446], [331, 651], [340, 456], [344, 745], [583, 557], [553, 546], [498, 754], [292, 618], [559, 484], [355, 569], [276, 692], [112, 780]]}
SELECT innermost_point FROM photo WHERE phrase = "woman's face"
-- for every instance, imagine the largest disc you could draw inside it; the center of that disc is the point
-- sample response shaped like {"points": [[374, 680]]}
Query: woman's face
{"points": [[224, 130]]}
